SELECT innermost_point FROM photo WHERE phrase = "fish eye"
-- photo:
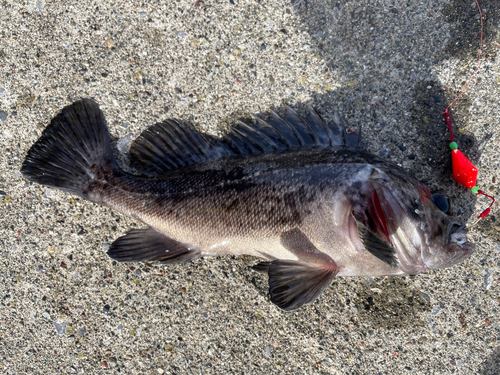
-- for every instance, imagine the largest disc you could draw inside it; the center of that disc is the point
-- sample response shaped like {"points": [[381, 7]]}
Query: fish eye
{"points": [[442, 201]]}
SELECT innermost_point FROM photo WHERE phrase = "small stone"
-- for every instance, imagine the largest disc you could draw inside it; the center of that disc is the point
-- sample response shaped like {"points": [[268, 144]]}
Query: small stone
{"points": [[2, 91], [104, 364], [487, 279], [402, 147], [412, 156], [82, 331], [46, 315], [263, 47], [437, 99], [426, 297], [427, 102], [60, 326], [128, 357], [105, 309], [384, 153], [3, 116]]}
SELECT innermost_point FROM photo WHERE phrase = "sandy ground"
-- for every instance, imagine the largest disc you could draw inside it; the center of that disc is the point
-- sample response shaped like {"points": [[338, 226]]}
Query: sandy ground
{"points": [[386, 65]]}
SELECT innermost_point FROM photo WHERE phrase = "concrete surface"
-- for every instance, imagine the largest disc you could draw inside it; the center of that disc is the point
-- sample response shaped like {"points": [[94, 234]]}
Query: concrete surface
{"points": [[386, 65]]}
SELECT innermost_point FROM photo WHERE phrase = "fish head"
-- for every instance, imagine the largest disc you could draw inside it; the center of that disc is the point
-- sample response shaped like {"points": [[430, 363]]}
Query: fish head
{"points": [[414, 221], [444, 237]]}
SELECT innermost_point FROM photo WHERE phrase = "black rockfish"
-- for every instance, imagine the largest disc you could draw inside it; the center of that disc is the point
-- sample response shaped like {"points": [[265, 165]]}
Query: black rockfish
{"points": [[295, 191]]}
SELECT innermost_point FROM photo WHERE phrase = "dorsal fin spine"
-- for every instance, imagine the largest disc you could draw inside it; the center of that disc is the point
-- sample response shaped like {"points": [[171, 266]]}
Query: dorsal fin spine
{"points": [[174, 143], [294, 131]]}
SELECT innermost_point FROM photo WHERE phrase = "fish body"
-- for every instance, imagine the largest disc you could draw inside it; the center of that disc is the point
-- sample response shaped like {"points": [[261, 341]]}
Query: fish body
{"points": [[294, 191]]}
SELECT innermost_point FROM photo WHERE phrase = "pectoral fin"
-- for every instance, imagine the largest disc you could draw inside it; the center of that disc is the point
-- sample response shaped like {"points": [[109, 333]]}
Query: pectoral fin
{"points": [[294, 283], [377, 246], [149, 245]]}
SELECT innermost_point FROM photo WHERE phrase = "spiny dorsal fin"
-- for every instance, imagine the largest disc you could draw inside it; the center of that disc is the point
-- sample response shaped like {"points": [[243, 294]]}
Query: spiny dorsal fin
{"points": [[174, 144], [169, 145]]}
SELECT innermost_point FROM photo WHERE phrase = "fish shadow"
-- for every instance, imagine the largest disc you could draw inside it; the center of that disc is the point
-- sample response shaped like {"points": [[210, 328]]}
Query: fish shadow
{"points": [[342, 33], [395, 304], [492, 365]]}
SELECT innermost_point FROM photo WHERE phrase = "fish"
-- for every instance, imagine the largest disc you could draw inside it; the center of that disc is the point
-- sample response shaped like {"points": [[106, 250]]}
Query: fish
{"points": [[300, 193]]}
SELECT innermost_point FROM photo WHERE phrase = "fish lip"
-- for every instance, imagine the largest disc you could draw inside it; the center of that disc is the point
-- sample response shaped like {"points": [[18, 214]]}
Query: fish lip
{"points": [[458, 228], [468, 246]]}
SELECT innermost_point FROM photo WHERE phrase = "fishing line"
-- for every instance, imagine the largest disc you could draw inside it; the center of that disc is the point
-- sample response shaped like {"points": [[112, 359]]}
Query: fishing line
{"points": [[464, 172]]}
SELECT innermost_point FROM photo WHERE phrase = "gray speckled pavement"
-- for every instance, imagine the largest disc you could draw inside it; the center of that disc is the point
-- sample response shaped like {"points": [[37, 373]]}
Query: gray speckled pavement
{"points": [[386, 65]]}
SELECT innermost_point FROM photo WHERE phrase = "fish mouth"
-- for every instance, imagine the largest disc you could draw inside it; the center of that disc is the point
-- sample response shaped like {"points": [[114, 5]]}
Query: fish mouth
{"points": [[458, 236]]}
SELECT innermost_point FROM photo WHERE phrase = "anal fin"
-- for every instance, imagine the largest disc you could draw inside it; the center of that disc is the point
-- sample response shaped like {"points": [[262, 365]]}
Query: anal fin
{"points": [[149, 245]]}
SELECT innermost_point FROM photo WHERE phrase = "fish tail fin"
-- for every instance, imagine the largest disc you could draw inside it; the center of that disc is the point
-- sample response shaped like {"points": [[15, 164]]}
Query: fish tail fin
{"points": [[74, 152]]}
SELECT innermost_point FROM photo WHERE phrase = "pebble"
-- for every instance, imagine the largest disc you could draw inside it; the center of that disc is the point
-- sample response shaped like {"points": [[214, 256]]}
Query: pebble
{"points": [[104, 364], [2, 91], [122, 144], [426, 297], [3, 116], [384, 152], [487, 279], [60, 326], [82, 331]]}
